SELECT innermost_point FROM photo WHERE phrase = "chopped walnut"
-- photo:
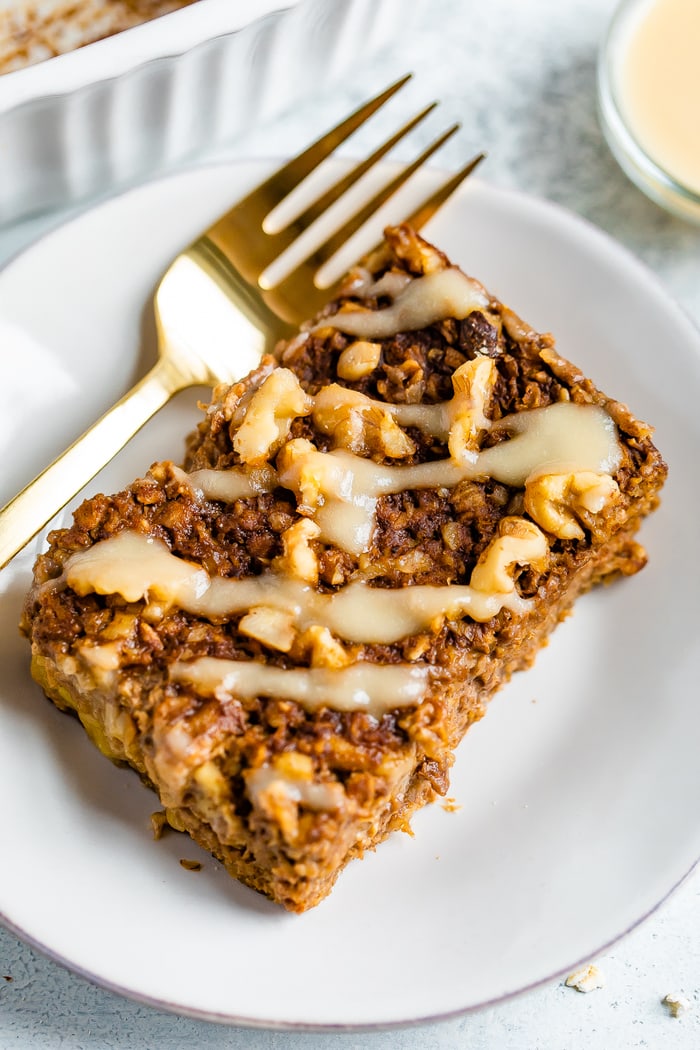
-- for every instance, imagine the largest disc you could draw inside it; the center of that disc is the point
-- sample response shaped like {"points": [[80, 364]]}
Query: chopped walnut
{"points": [[359, 424], [558, 501], [103, 658], [452, 537], [421, 257], [518, 542], [299, 559], [230, 401], [473, 385], [272, 627], [358, 359], [411, 563], [326, 651], [269, 416], [121, 627], [281, 789], [295, 764], [299, 470], [212, 781]]}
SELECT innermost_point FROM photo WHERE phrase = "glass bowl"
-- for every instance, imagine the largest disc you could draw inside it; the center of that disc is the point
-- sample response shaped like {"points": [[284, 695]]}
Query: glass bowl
{"points": [[645, 171]]}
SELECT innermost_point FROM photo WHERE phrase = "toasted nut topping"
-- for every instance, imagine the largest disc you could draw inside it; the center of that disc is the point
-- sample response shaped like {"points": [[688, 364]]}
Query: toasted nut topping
{"points": [[231, 401], [295, 764], [272, 627], [359, 424], [326, 651], [558, 501], [519, 542], [411, 562], [299, 559], [279, 791], [101, 657], [212, 781], [451, 533], [473, 385], [358, 359], [269, 416], [421, 256], [300, 473]]}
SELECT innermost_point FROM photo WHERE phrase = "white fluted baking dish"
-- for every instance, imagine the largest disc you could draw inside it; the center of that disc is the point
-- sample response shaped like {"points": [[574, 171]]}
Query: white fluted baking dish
{"points": [[143, 99]]}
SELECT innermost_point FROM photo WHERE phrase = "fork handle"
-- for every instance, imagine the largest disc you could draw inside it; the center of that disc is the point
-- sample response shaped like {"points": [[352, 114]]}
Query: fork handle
{"points": [[41, 499]]}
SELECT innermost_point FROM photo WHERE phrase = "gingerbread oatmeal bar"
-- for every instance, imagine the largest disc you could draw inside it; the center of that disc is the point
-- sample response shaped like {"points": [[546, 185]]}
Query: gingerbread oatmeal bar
{"points": [[288, 635]]}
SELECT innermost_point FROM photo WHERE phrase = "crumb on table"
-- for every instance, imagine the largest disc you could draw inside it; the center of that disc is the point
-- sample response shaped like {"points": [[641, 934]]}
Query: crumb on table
{"points": [[676, 1004], [586, 979]]}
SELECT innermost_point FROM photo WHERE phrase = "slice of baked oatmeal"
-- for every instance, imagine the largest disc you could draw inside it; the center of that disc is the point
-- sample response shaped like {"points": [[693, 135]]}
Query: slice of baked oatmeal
{"points": [[289, 635]]}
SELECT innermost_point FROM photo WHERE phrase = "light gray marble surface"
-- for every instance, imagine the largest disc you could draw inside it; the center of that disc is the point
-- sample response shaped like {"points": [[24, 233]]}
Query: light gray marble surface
{"points": [[520, 75]]}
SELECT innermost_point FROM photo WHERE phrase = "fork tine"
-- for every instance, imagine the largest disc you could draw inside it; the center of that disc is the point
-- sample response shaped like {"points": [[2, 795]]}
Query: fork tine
{"points": [[314, 298], [285, 237], [278, 185], [330, 246], [244, 221], [425, 211]]}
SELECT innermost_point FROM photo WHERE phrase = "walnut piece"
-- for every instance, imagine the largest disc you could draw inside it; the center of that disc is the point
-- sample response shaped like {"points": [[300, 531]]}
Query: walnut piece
{"points": [[299, 470], [325, 650], [273, 407], [281, 789], [358, 359], [273, 627], [359, 424], [212, 781], [473, 385], [299, 559], [557, 502], [518, 542]]}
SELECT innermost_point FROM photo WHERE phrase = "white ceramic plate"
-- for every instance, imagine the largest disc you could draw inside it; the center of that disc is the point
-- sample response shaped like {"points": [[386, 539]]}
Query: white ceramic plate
{"points": [[579, 791]]}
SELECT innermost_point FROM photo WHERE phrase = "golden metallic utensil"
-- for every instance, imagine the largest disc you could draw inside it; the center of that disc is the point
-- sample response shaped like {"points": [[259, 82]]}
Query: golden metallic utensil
{"points": [[214, 320]]}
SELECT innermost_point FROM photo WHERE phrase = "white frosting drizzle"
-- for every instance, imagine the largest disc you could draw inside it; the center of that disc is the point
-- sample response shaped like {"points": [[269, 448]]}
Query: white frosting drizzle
{"points": [[230, 485], [141, 567], [421, 302], [374, 688], [431, 419], [560, 438]]}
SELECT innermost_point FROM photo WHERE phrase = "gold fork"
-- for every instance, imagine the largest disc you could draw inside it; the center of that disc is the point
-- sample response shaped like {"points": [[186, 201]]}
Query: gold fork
{"points": [[214, 320]]}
